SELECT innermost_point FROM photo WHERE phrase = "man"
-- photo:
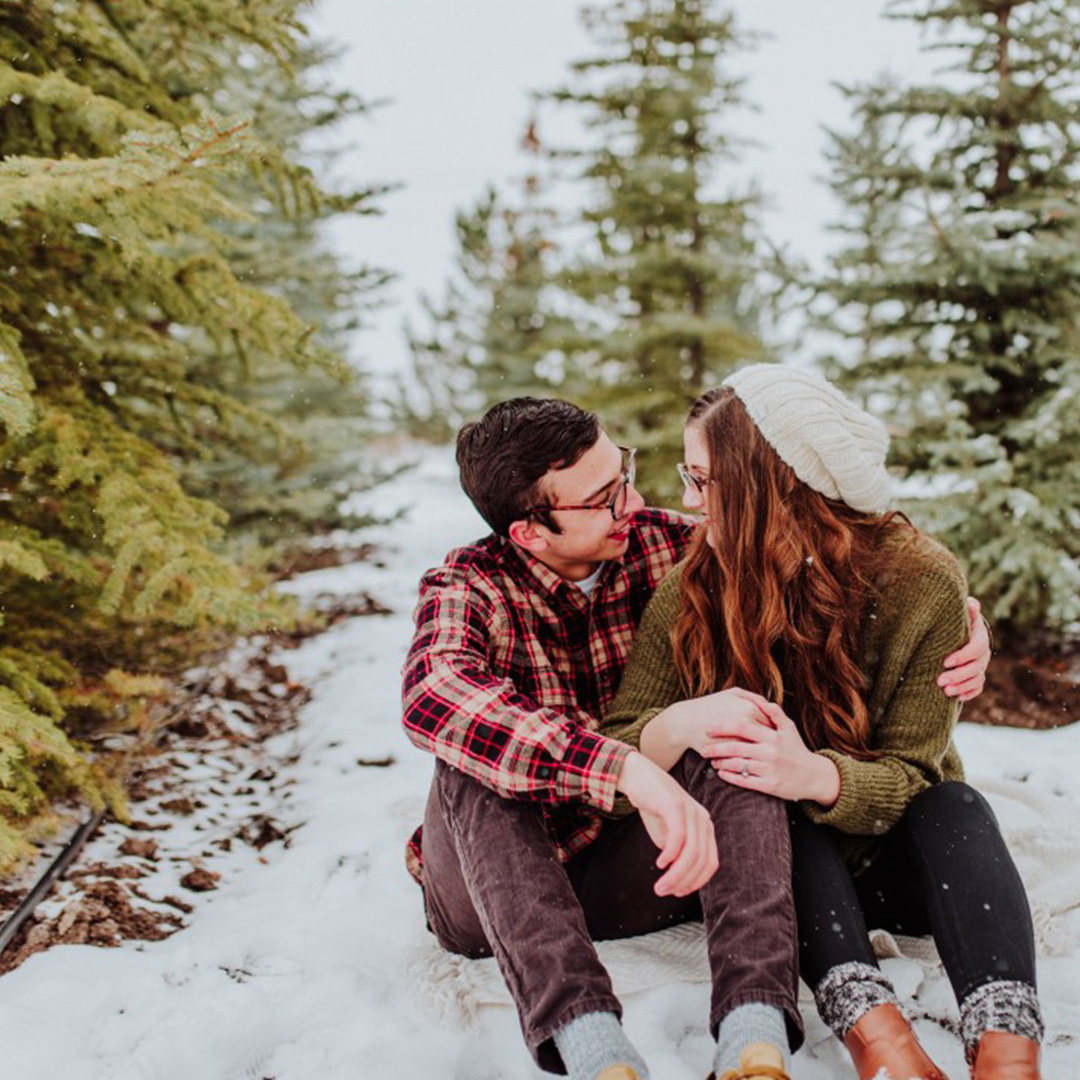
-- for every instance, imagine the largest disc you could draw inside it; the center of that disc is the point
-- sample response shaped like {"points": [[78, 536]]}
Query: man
{"points": [[521, 639]]}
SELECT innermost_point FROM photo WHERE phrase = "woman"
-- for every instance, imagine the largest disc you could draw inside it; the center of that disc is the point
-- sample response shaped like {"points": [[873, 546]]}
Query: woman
{"points": [[798, 646]]}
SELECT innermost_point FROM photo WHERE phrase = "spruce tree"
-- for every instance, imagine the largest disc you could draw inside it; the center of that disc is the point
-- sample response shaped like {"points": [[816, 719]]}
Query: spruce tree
{"points": [[865, 168], [496, 332], [284, 485], [124, 329], [670, 276], [962, 285]]}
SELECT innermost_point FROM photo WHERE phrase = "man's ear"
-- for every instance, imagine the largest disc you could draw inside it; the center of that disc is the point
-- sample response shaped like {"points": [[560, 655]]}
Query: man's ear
{"points": [[529, 534]]}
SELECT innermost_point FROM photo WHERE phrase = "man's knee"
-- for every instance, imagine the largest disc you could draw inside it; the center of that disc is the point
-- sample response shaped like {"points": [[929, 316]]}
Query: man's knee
{"points": [[694, 772], [734, 809], [698, 776]]}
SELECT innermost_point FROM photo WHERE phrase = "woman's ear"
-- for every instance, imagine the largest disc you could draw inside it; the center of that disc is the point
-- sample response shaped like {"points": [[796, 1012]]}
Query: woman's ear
{"points": [[529, 535]]}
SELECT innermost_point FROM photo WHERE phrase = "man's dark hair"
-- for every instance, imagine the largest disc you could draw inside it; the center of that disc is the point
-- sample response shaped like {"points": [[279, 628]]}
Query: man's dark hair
{"points": [[503, 456]]}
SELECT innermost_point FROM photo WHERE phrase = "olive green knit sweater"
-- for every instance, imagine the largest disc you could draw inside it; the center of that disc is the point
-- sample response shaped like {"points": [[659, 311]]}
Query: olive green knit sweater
{"points": [[918, 617]]}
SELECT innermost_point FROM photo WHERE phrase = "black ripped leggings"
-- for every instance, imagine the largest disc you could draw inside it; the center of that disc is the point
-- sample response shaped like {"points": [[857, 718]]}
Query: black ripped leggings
{"points": [[944, 870]]}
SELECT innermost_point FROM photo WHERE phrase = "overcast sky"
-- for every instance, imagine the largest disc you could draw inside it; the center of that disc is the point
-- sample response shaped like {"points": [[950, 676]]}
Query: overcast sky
{"points": [[459, 73]]}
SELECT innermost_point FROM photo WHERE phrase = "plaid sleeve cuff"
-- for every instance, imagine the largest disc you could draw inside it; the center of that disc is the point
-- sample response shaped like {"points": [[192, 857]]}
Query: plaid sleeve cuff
{"points": [[589, 770]]}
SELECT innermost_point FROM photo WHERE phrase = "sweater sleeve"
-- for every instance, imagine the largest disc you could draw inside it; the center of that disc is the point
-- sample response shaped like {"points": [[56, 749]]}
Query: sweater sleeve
{"points": [[650, 683], [914, 731]]}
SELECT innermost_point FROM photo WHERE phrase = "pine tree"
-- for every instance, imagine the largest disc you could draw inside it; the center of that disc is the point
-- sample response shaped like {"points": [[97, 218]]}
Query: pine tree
{"points": [[866, 171], [670, 280], [496, 332], [124, 329], [285, 485], [962, 285]]}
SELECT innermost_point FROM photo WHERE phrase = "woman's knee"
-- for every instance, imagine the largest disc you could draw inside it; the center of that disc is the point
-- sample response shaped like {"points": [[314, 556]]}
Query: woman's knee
{"points": [[949, 803]]}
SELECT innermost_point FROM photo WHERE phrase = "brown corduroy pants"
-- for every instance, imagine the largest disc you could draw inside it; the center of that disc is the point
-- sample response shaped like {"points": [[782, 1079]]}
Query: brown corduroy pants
{"points": [[494, 886]]}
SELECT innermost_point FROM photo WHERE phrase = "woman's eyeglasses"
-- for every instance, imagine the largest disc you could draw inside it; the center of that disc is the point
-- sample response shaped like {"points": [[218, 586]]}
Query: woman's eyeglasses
{"points": [[692, 481]]}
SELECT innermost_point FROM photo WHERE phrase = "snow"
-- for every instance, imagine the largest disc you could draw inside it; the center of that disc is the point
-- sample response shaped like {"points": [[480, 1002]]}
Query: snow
{"points": [[295, 967]]}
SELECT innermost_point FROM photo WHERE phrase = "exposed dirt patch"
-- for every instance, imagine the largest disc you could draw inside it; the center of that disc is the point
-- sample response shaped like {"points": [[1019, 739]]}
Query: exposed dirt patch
{"points": [[11, 898], [200, 880], [1028, 692], [101, 914], [98, 870], [262, 830], [209, 790], [300, 560], [143, 849], [376, 763], [328, 609]]}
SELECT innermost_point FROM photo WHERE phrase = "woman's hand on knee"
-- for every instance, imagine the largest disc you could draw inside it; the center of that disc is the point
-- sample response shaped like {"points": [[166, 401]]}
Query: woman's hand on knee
{"points": [[773, 759]]}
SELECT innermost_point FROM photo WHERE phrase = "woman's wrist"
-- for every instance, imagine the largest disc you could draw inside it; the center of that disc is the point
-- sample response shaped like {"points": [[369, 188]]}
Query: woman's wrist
{"points": [[825, 782], [661, 738]]}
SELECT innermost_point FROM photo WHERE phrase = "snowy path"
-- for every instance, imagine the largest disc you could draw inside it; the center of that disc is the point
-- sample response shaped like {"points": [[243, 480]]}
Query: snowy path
{"points": [[293, 969]]}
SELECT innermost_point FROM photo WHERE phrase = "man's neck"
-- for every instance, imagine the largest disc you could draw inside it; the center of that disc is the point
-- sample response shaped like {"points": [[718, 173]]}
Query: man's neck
{"points": [[572, 571]]}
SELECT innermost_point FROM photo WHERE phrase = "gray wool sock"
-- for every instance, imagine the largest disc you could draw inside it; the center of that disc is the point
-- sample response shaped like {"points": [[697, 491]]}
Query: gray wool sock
{"points": [[590, 1043], [848, 992], [1003, 1005], [747, 1024]]}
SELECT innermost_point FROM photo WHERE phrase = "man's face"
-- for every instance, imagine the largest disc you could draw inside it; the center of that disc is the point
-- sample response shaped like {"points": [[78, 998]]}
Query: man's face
{"points": [[589, 536]]}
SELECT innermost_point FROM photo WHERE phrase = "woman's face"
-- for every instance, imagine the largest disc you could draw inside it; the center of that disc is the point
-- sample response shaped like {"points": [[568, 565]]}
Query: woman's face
{"points": [[697, 465]]}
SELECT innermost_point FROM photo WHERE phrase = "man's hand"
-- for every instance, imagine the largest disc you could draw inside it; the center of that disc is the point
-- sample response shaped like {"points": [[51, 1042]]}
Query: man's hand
{"points": [[965, 670], [677, 824]]}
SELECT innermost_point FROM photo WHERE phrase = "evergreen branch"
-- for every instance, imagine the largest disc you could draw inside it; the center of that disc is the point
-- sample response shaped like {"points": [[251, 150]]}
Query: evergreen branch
{"points": [[94, 112], [17, 411]]}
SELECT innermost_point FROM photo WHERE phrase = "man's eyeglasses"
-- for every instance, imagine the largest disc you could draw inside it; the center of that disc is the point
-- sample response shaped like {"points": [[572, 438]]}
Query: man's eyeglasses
{"points": [[617, 503], [689, 480]]}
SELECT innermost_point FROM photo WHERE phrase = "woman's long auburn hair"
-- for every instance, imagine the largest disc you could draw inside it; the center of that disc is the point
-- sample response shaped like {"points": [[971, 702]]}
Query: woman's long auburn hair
{"points": [[789, 576]]}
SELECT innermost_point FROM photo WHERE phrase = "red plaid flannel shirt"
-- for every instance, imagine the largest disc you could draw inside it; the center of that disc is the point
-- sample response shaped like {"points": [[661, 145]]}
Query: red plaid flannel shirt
{"points": [[511, 666]]}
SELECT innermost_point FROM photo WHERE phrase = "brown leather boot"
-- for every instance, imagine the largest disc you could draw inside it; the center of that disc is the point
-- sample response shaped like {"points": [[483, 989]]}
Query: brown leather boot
{"points": [[1000, 1056], [883, 1039], [618, 1072]]}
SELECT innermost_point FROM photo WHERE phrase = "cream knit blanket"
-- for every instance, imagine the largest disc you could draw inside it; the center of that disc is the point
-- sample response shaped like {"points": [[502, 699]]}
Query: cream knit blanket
{"points": [[1043, 833]]}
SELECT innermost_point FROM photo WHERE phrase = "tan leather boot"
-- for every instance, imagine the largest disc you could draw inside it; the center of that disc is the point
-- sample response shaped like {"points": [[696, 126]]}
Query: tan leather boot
{"points": [[1000, 1056], [883, 1039], [619, 1072], [758, 1061]]}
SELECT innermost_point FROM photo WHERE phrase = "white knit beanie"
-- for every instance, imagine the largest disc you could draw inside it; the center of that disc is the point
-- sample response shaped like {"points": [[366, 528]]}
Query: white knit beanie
{"points": [[832, 444]]}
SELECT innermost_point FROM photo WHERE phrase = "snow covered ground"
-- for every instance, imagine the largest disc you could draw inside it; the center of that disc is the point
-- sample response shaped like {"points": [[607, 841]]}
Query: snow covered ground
{"points": [[296, 967]]}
